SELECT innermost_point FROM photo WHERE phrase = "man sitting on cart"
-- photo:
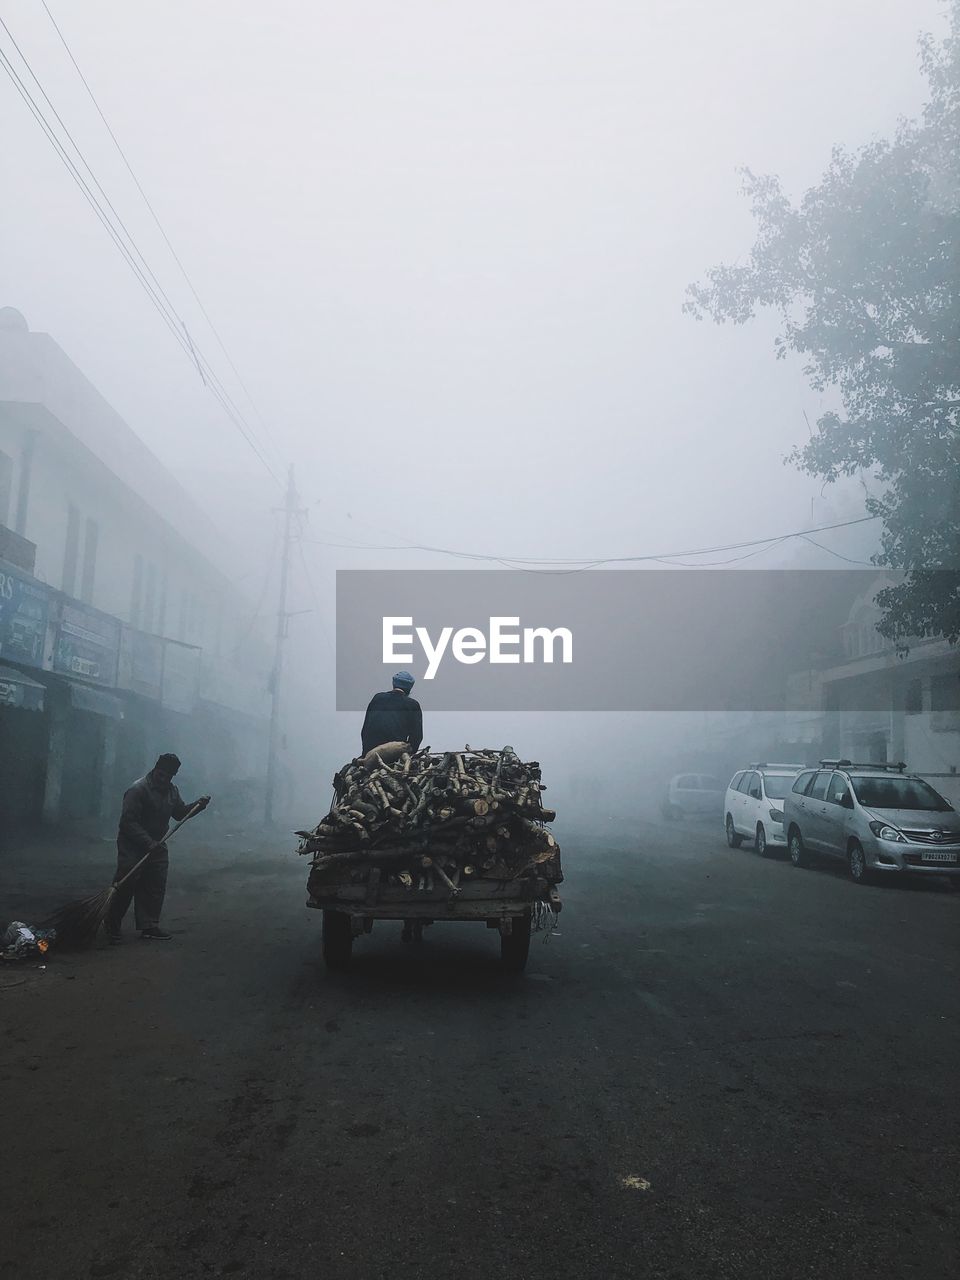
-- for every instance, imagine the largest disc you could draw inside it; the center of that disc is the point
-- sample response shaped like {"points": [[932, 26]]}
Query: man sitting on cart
{"points": [[393, 716]]}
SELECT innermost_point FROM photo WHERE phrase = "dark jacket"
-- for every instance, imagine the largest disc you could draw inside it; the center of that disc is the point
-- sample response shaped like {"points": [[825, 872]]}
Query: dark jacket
{"points": [[145, 816], [392, 717]]}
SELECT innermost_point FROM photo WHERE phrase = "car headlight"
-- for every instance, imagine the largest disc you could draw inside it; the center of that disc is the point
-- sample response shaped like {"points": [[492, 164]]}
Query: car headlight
{"points": [[776, 815], [883, 831]]}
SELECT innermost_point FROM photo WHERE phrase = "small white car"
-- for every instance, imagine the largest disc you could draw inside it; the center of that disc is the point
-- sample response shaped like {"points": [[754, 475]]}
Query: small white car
{"points": [[753, 805], [692, 793]]}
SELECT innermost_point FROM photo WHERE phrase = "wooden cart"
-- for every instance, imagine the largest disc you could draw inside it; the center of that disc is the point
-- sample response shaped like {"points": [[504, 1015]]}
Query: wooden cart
{"points": [[350, 908]]}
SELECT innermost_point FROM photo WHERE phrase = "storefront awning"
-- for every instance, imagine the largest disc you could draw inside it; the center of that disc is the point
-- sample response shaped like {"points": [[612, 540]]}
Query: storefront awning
{"points": [[83, 698], [18, 690]]}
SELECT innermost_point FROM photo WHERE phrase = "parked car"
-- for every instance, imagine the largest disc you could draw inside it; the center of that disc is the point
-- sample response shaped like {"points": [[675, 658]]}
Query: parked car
{"points": [[753, 805], [692, 793], [880, 819]]}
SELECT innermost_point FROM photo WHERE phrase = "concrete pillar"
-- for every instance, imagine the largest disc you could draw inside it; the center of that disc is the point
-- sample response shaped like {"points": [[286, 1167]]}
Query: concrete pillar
{"points": [[56, 755]]}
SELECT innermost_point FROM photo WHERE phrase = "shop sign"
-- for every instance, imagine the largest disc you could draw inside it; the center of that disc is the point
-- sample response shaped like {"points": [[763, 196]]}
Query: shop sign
{"points": [[24, 609], [88, 644]]}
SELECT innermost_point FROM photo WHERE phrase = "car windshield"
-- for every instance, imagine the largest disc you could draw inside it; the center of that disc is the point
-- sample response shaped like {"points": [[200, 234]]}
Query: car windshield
{"points": [[899, 793], [777, 785]]}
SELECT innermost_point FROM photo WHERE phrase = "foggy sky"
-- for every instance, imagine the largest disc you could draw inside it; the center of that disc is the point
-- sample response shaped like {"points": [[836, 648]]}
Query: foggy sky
{"points": [[452, 238], [447, 246]]}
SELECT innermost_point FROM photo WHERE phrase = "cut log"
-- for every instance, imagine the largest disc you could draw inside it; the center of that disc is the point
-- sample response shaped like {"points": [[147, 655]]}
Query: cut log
{"points": [[476, 809]]}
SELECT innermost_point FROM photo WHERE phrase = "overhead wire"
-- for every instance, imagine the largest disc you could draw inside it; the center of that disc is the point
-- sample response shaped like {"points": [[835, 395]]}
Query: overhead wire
{"points": [[839, 555], [753, 546], [155, 292], [155, 216]]}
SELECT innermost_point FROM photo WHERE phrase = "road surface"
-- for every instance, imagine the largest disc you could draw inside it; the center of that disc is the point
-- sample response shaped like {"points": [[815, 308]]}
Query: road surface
{"points": [[723, 1067]]}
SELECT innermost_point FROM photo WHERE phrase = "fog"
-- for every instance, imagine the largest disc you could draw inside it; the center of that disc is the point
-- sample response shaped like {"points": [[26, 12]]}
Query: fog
{"points": [[446, 246]]}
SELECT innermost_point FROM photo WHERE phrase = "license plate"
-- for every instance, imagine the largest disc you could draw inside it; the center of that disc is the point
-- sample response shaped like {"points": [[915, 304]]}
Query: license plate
{"points": [[939, 857]]}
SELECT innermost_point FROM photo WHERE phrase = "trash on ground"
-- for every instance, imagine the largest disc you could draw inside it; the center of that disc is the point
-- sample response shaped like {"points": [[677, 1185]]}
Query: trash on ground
{"points": [[634, 1183], [21, 941]]}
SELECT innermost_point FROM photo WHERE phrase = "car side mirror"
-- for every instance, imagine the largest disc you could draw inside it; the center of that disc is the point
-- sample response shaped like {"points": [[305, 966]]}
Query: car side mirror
{"points": [[755, 793], [846, 800]]}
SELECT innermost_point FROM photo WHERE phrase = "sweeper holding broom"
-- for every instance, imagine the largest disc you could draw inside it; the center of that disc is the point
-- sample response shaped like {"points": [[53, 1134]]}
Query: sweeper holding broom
{"points": [[148, 807]]}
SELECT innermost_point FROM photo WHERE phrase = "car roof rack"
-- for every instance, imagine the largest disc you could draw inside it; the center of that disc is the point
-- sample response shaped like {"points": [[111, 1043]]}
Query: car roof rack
{"points": [[882, 766], [776, 764]]}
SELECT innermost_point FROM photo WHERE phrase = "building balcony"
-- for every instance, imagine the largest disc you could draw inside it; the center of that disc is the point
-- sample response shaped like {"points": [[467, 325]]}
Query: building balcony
{"points": [[16, 550]]}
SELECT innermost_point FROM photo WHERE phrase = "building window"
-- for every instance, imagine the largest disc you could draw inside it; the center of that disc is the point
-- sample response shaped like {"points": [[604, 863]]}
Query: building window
{"points": [[913, 703], [136, 597], [6, 486], [945, 703], [71, 551], [945, 692], [90, 541]]}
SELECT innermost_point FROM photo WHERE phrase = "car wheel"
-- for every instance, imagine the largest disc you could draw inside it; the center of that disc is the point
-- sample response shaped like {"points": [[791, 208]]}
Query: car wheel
{"points": [[760, 841], [798, 852], [733, 840], [857, 862]]}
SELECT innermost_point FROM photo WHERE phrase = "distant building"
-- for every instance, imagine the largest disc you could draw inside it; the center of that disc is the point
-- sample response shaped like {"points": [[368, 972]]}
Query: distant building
{"points": [[121, 631], [855, 698], [886, 707]]}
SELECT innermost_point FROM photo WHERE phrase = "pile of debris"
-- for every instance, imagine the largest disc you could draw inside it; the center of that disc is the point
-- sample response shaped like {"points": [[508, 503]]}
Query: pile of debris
{"points": [[451, 815], [22, 941]]}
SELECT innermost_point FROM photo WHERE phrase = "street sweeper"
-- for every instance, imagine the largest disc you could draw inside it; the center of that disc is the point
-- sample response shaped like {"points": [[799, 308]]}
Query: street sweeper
{"points": [[148, 807]]}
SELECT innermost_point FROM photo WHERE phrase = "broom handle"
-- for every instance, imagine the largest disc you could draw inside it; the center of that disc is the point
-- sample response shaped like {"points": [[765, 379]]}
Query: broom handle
{"points": [[170, 834]]}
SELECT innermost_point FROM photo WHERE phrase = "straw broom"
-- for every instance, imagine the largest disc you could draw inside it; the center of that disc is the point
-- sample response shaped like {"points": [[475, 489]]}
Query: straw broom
{"points": [[78, 922]]}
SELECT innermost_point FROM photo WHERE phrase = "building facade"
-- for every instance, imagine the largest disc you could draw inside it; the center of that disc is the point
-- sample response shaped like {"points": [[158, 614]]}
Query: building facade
{"points": [[121, 631]]}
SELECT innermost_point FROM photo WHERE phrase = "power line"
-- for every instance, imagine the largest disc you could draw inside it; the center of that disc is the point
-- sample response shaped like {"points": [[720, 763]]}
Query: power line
{"points": [[579, 565], [157, 296], [838, 554], [155, 216]]}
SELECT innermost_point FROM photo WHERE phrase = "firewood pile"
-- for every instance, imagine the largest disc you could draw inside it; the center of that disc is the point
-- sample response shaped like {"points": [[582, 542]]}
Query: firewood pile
{"points": [[436, 820]]}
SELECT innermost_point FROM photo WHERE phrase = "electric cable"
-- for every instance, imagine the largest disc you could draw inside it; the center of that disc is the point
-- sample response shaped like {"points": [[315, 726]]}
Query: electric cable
{"points": [[754, 546], [155, 216], [158, 299]]}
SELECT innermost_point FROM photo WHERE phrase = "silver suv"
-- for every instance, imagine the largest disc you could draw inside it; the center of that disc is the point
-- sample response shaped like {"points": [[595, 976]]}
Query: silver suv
{"points": [[878, 818]]}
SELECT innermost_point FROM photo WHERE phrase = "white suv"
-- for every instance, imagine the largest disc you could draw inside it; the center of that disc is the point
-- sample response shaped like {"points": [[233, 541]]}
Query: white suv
{"points": [[753, 806], [878, 818]]}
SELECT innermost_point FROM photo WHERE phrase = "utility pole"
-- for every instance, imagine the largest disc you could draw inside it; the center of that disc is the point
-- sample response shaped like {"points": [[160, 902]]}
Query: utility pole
{"points": [[290, 512]]}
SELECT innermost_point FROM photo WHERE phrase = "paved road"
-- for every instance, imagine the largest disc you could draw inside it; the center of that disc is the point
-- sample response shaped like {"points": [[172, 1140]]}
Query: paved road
{"points": [[724, 1067]]}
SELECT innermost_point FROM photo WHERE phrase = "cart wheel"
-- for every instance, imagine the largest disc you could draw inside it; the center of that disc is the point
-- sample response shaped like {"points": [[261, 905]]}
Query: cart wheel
{"points": [[337, 939], [515, 945]]}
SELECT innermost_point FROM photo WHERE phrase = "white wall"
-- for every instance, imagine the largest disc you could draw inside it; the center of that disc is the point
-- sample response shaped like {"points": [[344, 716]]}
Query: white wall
{"points": [[929, 751]]}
